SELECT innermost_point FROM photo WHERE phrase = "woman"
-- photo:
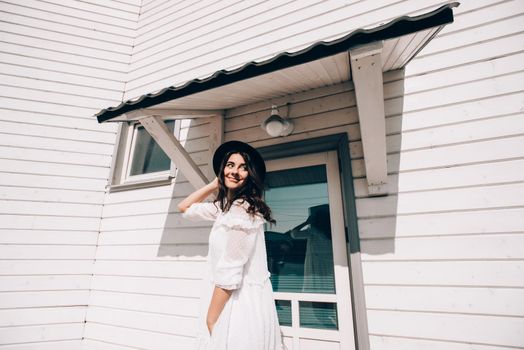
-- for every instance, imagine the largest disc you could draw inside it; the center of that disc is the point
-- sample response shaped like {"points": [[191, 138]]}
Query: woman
{"points": [[238, 310]]}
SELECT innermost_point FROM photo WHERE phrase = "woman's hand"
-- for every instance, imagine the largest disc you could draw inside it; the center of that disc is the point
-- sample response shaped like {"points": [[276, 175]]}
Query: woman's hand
{"points": [[218, 300], [198, 196], [210, 326], [214, 184]]}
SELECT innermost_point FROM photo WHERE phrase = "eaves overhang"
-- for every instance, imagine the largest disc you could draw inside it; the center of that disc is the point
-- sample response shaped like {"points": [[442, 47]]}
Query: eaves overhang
{"points": [[402, 39]]}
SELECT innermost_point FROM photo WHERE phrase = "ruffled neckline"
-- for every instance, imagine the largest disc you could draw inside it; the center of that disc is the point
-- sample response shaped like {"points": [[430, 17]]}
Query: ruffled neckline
{"points": [[240, 219]]}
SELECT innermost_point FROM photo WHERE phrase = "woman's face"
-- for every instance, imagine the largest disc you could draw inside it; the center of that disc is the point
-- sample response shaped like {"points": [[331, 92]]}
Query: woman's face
{"points": [[235, 172]]}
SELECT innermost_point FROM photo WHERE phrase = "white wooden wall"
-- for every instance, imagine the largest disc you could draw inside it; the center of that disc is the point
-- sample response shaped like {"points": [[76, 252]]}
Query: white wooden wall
{"points": [[442, 255], [442, 264], [178, 41], [60, 62], [149, 263]]}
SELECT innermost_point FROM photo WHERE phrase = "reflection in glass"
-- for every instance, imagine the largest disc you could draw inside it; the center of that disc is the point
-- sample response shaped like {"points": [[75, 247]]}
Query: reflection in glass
{"points": [[318, 315], [148, 157], [300, 255], [284, 312]]}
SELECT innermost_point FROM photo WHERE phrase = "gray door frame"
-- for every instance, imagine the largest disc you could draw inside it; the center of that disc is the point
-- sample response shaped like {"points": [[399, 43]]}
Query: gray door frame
{"points": [[340, 143]]}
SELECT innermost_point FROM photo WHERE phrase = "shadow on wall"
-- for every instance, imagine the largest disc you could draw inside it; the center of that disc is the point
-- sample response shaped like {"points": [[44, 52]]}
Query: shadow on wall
{"points": [[378, 218], [180, 237]]}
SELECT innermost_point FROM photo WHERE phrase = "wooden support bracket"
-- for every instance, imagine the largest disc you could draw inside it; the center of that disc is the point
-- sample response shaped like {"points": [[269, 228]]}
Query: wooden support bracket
{"points": [[171, 113], [216, 137], [158, 130], [366, 69]]}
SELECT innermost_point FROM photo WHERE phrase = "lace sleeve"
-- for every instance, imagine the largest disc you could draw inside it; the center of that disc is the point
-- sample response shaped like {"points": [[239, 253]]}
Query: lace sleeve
{"points": [[201, 211], [242, 231]]}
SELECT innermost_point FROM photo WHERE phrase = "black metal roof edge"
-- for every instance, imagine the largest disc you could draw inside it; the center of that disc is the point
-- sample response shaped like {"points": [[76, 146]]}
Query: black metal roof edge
{"points": [[400, 26]]}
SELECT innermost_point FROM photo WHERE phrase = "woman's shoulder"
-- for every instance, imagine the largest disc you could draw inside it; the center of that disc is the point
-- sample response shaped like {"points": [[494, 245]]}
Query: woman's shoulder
{"points": [[238, 215]]}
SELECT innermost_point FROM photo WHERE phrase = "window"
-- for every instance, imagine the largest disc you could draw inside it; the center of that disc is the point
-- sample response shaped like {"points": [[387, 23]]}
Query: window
{"points": [[139, 160]]}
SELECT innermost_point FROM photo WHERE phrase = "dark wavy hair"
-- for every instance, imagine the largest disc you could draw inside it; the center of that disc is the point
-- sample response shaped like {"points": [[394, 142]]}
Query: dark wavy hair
{"points": [[251, 190]]}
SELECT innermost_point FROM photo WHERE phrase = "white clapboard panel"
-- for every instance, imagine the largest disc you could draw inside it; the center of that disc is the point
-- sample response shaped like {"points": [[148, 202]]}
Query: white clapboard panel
{"points": [[156, 322], [181, 252], [489, 107], [41, 334], [76, 81], [136, 338], [454, 75], [141, 207], [171, 305], [148, 285], [50, 306], [50, 195], [154, 268], [178, 235], [46, 267], [470, 198], [86, 11], [470, 300], [445, 223], [52, 181], [467, 175], [56, 144], [497, 26], [44, 282], [68, 132], [50, 345], [380, 342], [481, 247], [50, 168], [15, 207], [481, 50], [484, 329], [80, 123], [35, 251], [97, 344], [36, 154], [480, 273]]}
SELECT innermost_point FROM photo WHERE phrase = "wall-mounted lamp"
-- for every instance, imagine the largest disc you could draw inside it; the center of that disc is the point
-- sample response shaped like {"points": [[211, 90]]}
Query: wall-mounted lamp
{"points": [[275, 125]]}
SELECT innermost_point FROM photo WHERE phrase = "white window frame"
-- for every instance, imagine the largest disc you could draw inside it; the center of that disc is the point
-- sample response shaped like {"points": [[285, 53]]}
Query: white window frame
{"points": [[122, 159]]}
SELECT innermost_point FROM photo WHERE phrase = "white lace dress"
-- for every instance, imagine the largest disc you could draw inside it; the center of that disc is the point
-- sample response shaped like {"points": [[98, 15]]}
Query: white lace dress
{"points": [[237, 261]]}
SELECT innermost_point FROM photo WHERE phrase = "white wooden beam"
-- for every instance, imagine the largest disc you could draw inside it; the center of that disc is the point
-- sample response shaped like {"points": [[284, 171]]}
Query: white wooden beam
{"points": [[171, 113], [158, 130], [366, 67], [216, 138]]}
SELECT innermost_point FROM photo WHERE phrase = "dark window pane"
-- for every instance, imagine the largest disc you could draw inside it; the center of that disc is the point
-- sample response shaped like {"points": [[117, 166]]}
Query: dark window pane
{"points": [[284, 312], [148, 157], [318, 315], [299, 247]]}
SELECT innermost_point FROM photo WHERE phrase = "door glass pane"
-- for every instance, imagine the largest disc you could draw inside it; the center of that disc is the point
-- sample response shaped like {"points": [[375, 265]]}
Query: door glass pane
{"points": [[284, 312], [148, 157], [300, 253], [318, 315]]}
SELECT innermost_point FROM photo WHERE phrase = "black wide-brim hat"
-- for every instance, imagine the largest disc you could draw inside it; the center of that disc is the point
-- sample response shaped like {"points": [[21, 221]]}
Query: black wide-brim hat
{"points": [[239, 146]]}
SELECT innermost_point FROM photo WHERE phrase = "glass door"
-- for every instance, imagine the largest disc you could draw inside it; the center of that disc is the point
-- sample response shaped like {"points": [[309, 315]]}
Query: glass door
{"points": [[307, 254]]}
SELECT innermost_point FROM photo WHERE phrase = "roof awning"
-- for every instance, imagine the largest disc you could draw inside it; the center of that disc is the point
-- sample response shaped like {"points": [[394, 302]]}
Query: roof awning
{"points": [[321, 64], [361, 56]]}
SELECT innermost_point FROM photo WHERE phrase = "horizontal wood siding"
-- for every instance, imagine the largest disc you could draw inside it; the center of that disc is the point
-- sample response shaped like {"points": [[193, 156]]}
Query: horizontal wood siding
{"points": [[146, 283], [60, 62], [442, 258], [178, 41]]}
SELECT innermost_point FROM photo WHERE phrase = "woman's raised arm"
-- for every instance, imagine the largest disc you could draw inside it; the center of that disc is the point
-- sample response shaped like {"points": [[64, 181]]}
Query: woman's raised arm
{"points": [[198, 196]]}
